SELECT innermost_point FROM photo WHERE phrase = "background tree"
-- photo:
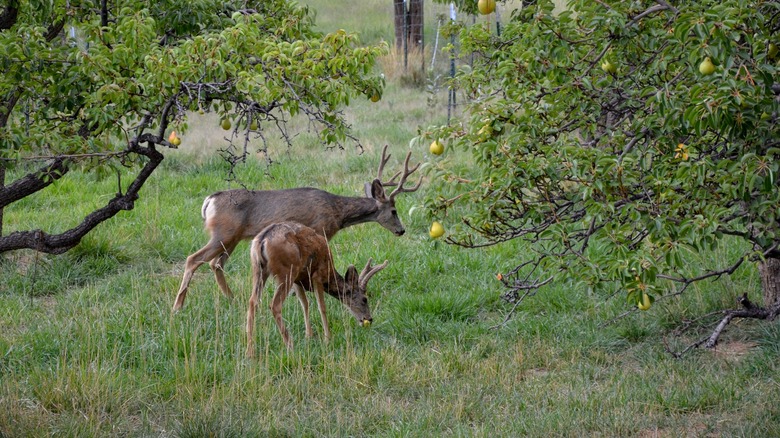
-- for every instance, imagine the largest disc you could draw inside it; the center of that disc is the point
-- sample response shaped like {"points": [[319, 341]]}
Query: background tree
{"points": [[100, 85], [615, 137], [408, 18]]}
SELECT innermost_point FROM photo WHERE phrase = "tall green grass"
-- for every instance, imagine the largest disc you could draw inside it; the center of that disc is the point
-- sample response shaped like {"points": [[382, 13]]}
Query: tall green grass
{"points": [[89, 347]]}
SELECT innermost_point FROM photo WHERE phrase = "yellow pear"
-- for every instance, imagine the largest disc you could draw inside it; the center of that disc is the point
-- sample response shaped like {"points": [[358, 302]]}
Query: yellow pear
{"points": [[437, 230], [771, 51], [436, 148], [646, 303], [486, 6], [608, 67], [225, 124], [706, 67]]}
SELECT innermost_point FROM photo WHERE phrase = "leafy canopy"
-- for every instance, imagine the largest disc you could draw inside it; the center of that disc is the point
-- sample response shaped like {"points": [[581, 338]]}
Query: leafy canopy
{"points": [[94, 80], [105, 77], [596, 137]]}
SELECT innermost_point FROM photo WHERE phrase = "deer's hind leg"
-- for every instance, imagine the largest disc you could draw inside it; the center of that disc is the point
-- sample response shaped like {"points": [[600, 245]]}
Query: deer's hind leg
{"points": [[218, 262], [259, 277], [210, 252], [258, 281], [282, 289]]}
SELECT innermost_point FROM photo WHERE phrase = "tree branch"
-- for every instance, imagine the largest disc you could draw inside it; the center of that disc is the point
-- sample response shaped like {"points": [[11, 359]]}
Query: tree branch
{"points": [[60, 243], [648, 11], [33, 181]]}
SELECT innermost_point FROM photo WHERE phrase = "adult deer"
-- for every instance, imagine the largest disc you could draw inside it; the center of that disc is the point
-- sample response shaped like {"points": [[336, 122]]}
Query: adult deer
{"points": [[296, 255], [235, 215]]}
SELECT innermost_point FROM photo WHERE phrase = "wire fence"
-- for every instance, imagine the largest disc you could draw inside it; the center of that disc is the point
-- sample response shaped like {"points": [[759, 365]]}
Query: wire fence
{"points": [[436, 62]]}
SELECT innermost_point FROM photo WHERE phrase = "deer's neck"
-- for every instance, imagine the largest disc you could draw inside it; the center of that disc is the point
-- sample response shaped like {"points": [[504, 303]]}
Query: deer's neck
{"points": [[357, 211], [334, 285]]}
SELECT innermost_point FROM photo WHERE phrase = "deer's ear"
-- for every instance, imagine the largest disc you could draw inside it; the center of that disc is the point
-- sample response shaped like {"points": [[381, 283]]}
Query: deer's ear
{"points": [[352, 275], [375, 190]]}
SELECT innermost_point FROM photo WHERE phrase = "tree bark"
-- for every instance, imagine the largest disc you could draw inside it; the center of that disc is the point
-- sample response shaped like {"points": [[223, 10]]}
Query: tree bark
{"points": [[33, 182], [408, 25], [416, 23], [8, 17], [60, 243], [770, 281], [399, 17]]}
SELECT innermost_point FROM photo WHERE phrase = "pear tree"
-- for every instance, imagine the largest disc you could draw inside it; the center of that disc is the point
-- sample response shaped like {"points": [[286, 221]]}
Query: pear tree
{"points": [[91, 85], [617, 139]]}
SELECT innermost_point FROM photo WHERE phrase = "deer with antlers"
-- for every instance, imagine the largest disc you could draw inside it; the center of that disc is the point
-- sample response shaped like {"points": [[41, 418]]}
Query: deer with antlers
{"points": [[234, 215], [297, 255]]}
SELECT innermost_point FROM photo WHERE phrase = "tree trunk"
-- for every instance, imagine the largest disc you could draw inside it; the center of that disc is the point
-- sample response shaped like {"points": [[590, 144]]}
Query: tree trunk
{"points": [[408, 25], [416, 23], [770, 281], [9, 14], [399, 15]]}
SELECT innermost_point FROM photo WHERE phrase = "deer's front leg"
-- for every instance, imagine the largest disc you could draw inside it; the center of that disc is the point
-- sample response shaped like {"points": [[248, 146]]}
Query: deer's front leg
{"points": [[301, 294], [320, 295]]}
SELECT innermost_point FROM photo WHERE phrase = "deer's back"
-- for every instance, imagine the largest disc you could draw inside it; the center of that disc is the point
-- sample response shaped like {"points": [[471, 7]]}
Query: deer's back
{"points": [[247, 212], [289, 248]]}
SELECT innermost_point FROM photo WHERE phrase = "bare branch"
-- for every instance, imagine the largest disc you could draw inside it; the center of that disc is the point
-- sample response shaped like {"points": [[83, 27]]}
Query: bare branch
{"points": [[748, 310], [662, 6], [668, 6]]}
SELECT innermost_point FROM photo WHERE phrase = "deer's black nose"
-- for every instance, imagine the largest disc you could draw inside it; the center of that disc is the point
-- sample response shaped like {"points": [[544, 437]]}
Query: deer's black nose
{"points": [[400, 233]]}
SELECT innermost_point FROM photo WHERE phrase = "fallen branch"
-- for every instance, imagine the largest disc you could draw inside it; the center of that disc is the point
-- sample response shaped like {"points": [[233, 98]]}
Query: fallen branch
{"points": [[748, 310]]}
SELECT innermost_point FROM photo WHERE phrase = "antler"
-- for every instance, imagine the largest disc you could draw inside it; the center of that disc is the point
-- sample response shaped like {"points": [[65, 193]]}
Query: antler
{"points": [[369, 272], [404, 175]]}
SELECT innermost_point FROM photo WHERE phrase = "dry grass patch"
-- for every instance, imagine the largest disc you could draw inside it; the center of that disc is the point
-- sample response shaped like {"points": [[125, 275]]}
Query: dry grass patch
{"points": [[407, 69], [733, 351]]}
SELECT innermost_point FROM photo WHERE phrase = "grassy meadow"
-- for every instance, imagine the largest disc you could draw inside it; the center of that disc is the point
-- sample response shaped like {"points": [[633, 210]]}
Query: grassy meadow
{"points": [[89, 346]]}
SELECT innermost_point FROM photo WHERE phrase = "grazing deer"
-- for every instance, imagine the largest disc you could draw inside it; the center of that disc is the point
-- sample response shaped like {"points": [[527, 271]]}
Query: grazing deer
{"points": [[296, 255], [235, 215]]}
